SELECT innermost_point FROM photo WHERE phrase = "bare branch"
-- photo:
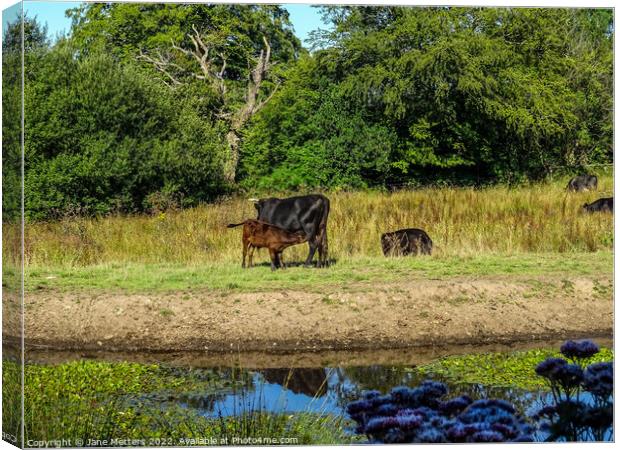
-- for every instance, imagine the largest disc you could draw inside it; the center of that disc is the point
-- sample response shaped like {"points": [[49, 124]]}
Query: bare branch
{"points": [[161, 63], [266, 100]]}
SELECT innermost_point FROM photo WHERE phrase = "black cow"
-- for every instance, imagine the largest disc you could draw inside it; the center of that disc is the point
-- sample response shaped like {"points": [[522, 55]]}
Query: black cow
{"points": [[409, 241], [602, 204], [583, 183], [307, 213]]}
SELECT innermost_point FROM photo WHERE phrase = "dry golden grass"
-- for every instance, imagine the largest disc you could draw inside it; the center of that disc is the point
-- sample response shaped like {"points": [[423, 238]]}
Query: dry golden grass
{"points": [[498, 220]]}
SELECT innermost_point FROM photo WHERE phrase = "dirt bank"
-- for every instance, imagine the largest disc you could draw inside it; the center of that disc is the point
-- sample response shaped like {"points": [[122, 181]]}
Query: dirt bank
{"points": [[454, 311]]}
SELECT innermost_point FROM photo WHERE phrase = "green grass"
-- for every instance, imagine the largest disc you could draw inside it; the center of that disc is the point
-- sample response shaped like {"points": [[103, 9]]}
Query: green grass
{"points": [[499, 369], [348, 273]]}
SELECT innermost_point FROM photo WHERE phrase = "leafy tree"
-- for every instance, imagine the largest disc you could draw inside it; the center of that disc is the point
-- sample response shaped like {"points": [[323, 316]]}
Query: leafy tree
{"points": [[475, 93], [103, 136], [33, 35], [222, 56]]}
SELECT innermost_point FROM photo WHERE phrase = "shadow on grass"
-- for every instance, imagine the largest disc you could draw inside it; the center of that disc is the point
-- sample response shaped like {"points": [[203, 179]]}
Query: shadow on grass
{"points": [[289, 264]]}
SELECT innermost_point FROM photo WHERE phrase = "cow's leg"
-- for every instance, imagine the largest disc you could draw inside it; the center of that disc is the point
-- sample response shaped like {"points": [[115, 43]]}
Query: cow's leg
{"points": [[313, 247], [281, 260], [323, 249], [274, 259], [251, 256], [245, 251], [313, 243]]}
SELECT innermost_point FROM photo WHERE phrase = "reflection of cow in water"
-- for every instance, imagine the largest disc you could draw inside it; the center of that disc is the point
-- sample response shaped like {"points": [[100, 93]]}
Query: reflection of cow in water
{"points": [[311, 382]]}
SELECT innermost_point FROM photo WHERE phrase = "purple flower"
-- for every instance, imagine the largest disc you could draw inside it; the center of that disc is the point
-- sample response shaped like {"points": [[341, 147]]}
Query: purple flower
{"points": [[457, 433], [359, 406], [487, 436], [549, 365], [493, 403], [488, 411], [380, 424], [409, 422], [401, 394], [569, 376], [434, 388], [509, 432], [601, 367], [395, 436], [599, 379], [599, 388], [430, 434], [380, 400], [405, 412], [455, 405], [425, 412], [369, 395], [388, 409], [579, 349]]}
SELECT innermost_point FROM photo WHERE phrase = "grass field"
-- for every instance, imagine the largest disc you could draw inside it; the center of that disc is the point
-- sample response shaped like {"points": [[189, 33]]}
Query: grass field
{"points": [[496, 230], [351, 273]]}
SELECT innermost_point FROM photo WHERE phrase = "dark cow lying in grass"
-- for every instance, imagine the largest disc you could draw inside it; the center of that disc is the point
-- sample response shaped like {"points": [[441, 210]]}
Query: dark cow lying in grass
{"points": [[409, 241], [583, 183], [601, 205], [258, 234]]}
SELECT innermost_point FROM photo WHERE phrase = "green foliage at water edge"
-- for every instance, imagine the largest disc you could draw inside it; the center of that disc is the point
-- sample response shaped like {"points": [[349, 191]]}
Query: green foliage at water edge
{"points": [[500, 369]]}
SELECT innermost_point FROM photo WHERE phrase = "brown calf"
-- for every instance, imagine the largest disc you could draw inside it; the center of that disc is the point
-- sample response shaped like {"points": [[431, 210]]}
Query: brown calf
{"points": [[257, 234]]}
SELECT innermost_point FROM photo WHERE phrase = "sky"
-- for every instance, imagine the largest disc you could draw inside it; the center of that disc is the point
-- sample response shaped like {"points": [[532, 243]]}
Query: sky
{"points": [[304, 17]]}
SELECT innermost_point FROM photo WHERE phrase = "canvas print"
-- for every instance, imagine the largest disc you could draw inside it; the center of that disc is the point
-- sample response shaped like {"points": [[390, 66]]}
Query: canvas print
{"points": [[299, 224]]}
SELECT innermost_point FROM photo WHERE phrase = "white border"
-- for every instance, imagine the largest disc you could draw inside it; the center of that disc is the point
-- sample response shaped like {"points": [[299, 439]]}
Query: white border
{"points": [[517, 3]]}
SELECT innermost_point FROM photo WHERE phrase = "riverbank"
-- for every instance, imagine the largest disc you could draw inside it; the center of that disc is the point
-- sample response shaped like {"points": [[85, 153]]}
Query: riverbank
{"points": [[473, 310]]}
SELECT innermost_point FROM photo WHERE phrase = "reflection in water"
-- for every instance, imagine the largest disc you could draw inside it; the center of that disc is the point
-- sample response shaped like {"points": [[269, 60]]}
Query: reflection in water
{"points": [[329, 390], [311, 382]]}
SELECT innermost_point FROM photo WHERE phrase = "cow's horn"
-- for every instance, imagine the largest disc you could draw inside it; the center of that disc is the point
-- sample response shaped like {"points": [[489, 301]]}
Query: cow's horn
{"points": [[253, 200]]}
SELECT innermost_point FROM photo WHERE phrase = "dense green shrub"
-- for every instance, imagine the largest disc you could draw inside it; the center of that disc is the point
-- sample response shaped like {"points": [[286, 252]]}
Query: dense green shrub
{"points": [[102, 136]]}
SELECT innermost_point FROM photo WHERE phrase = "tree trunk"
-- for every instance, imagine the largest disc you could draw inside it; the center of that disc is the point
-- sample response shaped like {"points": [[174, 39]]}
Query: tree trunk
{"points": [[230, 166]]}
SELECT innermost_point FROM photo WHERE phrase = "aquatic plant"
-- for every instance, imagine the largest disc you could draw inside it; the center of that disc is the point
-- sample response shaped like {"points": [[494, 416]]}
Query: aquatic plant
{"points": [[420, 414], [572, 417], [500, 369]]}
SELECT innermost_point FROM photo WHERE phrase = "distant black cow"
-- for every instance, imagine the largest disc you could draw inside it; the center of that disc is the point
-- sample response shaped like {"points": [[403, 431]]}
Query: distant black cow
{"points": [[583, 183], [307, 213], [602, 204], [409, 241]]}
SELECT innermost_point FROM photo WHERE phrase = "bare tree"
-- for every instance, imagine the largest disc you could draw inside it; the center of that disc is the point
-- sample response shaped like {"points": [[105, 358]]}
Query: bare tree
{"points": [[212, 64]]}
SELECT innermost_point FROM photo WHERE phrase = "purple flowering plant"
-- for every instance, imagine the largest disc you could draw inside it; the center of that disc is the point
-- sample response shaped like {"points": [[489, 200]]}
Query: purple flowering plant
{"points": [[423, 414], [571, 417]]}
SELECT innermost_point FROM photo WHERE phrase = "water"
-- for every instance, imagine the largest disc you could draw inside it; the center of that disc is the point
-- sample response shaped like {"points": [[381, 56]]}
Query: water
{"points": [[328, 390], [314, 383]]}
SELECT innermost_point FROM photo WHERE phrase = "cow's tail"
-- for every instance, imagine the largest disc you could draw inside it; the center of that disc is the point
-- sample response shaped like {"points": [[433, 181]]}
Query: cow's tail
{"points": [[323, 232], [564, 204], [233, 225]]}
